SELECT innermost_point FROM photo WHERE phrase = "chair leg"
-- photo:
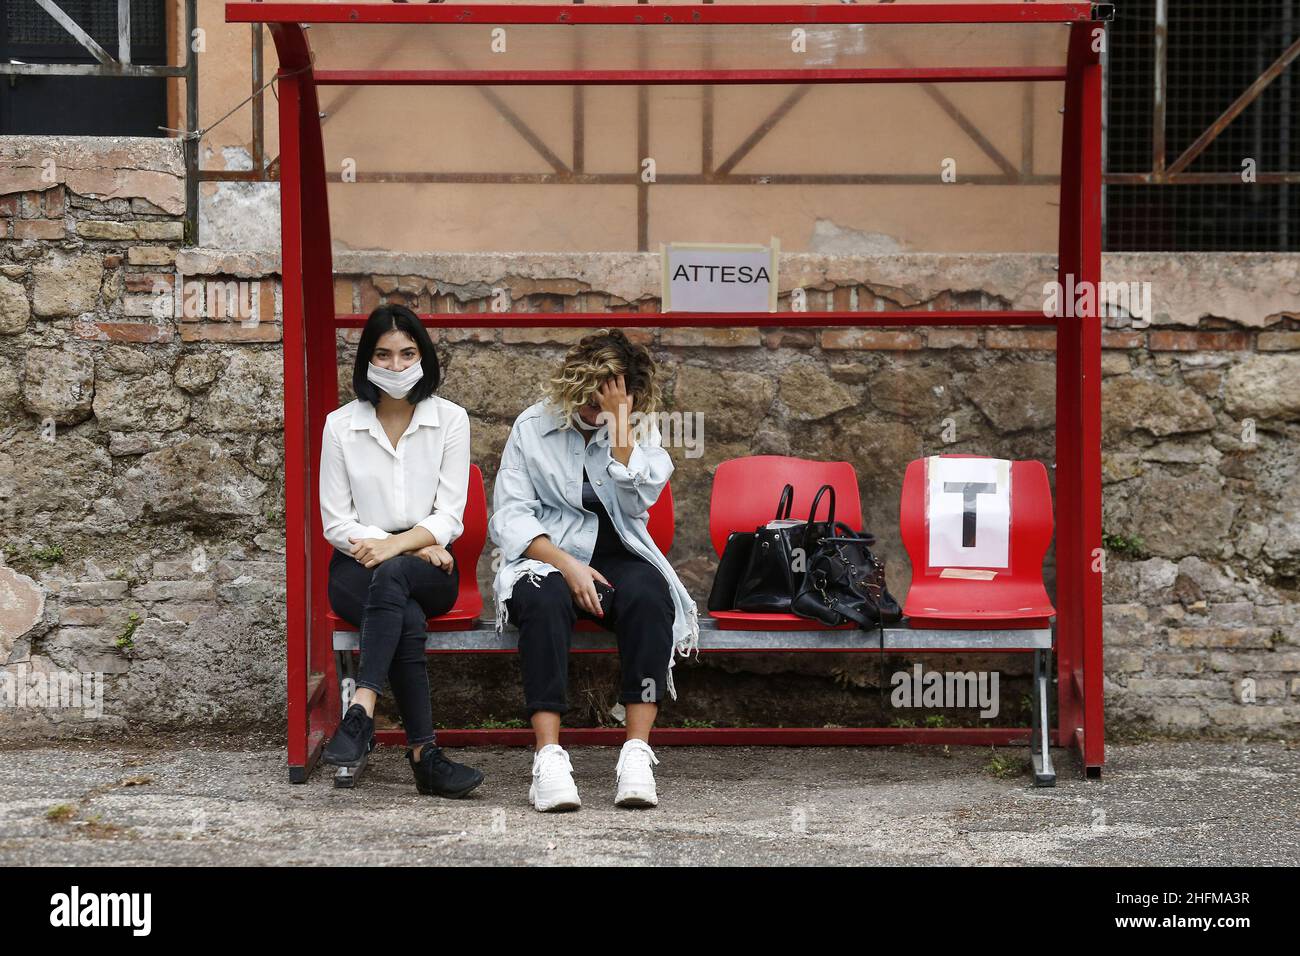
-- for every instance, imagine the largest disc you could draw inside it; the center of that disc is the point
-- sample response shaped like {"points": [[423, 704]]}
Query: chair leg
{"points": [[345, 666], [1040, 743]]}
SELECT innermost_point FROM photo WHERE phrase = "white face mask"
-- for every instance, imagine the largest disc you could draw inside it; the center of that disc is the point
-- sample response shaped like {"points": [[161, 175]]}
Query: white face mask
{"points": [[396, 384], [578, 420]]}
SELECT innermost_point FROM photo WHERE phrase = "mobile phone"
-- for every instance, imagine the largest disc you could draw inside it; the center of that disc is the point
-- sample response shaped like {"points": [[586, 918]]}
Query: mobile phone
{"points": [[605, 593]]}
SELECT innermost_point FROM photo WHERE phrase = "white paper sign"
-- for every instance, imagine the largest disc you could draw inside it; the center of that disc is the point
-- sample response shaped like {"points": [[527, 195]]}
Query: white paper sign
{"points": [[718, 277], [968, 512]]}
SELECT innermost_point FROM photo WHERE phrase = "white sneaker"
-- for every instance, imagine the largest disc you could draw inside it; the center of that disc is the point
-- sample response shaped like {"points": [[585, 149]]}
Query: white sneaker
{"points": [[636, 781], [553, 787]]}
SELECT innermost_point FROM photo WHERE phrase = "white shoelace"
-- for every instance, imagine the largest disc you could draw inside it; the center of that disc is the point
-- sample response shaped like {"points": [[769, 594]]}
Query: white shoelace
{"points": [[635, 750], [552, 764]]}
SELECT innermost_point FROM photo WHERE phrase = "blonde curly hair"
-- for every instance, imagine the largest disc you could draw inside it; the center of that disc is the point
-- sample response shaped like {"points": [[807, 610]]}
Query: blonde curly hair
{"points": [[597, 357]]}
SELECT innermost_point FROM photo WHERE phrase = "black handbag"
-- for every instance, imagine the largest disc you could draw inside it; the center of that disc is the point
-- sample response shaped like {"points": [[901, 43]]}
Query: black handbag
{"points": [[735, 558], [769, 582], [845, 582]]}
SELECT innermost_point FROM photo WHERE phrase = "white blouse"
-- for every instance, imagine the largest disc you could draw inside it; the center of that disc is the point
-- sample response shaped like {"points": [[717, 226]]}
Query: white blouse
{"points": [[369, 489]]}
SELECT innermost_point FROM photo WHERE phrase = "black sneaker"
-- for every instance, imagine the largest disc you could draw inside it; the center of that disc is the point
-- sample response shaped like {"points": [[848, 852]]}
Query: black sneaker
{"points": [[354, 738], [437, 776]]}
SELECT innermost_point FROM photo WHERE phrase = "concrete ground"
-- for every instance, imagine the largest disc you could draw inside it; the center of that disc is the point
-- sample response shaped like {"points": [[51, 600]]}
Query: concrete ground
{"points": [[227, 801]]}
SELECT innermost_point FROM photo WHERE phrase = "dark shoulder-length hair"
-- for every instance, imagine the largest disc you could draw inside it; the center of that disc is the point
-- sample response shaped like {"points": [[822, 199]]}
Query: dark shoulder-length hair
{"points": [[385, 318]]}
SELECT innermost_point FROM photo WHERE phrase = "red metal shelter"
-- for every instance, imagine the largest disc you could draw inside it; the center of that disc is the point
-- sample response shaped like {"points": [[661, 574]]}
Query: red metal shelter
{"points": [[1018, 49]]}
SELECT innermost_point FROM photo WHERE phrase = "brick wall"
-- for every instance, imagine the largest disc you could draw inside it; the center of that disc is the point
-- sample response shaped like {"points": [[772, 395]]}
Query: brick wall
{"points": [[141, 454]]}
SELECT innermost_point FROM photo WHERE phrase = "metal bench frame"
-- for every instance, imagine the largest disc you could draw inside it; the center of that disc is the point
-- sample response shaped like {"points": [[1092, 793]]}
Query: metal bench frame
{"points": [[485, 640]]}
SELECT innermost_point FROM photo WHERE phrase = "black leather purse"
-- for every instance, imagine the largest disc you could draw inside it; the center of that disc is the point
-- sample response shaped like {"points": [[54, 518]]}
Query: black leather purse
{"points": [[769, 582], [731, 567], [846, 582], [734, 563]]}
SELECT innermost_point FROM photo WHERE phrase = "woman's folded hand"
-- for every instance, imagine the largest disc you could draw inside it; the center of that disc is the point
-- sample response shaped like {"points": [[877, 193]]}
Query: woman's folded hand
{"points": [[374, 551], [437, 556]]}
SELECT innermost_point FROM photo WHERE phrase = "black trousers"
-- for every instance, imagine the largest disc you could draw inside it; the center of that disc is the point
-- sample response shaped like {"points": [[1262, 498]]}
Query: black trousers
{"points": [[640, 615], [390, 602]]}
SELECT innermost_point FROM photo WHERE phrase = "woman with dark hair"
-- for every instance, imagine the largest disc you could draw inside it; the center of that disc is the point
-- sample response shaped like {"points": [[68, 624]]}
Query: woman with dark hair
{"points": [[577, 478], [394, 477]]}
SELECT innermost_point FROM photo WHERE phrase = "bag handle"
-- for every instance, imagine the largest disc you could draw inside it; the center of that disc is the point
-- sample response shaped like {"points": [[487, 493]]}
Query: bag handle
{"points": [[863, 537], [785, 501], [812, 514]]}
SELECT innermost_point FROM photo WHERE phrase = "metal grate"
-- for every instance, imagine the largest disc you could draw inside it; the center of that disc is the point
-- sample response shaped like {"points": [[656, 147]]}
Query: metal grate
{"points": [[1215, 51], [27, 25]]}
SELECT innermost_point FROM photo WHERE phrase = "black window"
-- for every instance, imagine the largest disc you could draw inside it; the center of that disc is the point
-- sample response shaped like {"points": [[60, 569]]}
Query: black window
{"points": [[82, 105], [1215, 52]]}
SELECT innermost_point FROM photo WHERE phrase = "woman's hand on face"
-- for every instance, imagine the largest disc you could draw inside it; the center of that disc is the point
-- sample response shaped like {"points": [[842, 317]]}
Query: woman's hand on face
{"points": [[616, 410], [437, 555], [580, 578], [374, 551], [613, 396]]}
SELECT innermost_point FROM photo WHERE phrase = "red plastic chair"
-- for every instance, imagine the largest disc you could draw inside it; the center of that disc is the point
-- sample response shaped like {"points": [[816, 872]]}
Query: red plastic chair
{"points": [[465, 613], [661, 525], [1013, 596], [660, 521], [745, 492]]}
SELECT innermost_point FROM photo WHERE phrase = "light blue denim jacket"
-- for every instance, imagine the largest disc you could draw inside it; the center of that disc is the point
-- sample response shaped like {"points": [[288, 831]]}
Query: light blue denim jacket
{"points": [[539, 491]]}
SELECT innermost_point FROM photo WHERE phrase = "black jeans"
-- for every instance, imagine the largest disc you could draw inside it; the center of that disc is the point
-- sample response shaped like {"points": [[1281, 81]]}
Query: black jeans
{"points": [[390, 602], [641, 616]]}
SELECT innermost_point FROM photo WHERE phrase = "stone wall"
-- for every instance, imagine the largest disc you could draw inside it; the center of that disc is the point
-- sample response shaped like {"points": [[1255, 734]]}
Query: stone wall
{"points": [[141, 500]]}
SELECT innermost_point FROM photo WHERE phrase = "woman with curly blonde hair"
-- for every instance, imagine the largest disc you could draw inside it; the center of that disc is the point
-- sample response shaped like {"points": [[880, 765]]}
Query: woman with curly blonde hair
{"points": [[578, 475]]}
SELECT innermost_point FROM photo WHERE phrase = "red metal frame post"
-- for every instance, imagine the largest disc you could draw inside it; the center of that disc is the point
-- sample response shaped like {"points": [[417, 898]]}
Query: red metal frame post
{"points": [[305, 258], [1078, 412], [913, 74], [296, 493], [324, 706], [659, 14], [1068, 395], [1090, 438]]}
